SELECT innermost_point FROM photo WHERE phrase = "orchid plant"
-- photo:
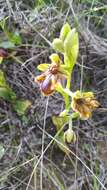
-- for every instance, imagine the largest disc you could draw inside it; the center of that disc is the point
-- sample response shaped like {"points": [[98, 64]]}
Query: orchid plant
{"points": [[81, 103]]}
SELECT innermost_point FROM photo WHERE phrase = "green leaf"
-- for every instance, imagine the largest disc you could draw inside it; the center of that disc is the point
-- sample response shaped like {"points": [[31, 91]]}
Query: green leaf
{"points": [[2, 151], [21, 106], [5, 91], [7, 45], [60, 122], [71, 46], [64, 31], [2, 79], [57, 44], [7, 94], [15, 37]]}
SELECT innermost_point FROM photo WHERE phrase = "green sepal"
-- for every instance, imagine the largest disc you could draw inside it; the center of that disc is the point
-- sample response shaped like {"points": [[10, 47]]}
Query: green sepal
{"points": [[60, 122]]}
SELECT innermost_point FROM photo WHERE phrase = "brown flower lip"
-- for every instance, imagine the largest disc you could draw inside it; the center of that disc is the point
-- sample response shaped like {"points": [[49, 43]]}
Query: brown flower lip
{"points": [[46, 86], [49, 78], [84, 104]]}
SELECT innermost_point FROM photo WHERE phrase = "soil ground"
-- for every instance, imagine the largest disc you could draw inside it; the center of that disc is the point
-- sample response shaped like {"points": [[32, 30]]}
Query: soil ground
{"points": [[21, 137]]}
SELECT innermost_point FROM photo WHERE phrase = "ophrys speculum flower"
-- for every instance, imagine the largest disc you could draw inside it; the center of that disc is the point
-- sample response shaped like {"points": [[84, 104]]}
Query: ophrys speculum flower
{"points": [[84, 103], [52, 75]]}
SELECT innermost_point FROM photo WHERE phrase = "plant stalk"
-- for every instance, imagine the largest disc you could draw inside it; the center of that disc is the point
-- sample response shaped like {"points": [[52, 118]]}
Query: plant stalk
{"points": [[67, 99]]}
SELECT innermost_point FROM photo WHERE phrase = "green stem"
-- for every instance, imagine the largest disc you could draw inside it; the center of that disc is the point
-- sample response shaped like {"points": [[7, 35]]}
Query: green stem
{"points": [[68, 85], [70, 123], [68, 82], [67, 99]]}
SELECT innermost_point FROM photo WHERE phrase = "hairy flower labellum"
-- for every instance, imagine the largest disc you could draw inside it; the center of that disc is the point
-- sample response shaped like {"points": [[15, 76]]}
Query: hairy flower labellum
{"points": [[84, 103], [51, 76]]}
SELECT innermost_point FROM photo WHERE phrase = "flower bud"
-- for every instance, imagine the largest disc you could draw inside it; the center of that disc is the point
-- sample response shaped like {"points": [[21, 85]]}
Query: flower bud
{"points": [[64, 31], [69, 136], [71, 46], [57, 44]]}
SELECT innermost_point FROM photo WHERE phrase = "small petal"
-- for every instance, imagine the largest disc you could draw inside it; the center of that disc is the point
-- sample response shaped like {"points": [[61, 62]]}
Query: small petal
{"points": [[43, 66], [40, 78], [88, 95], [55, 58]]}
